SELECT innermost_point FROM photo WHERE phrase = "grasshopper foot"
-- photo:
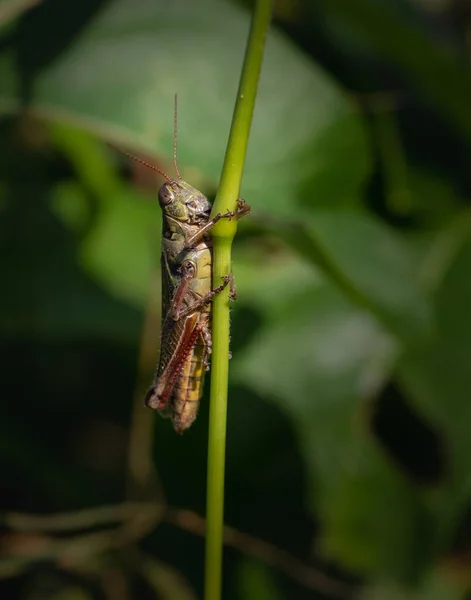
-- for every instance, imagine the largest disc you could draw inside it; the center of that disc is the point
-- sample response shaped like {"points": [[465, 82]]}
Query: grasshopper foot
{"points": [[232, 289], [242, 208]]}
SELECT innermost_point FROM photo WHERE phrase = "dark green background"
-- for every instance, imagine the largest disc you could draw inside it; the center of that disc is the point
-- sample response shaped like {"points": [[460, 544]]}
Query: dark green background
{"points": [[349, 439]]}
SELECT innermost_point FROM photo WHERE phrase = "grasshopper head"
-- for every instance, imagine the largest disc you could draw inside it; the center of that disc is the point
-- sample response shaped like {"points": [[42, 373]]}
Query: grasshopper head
{"points": [[183, 202]]}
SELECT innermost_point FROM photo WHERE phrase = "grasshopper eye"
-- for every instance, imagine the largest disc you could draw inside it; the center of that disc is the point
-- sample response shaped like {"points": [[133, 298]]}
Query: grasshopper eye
{"points": [[166, 195]]}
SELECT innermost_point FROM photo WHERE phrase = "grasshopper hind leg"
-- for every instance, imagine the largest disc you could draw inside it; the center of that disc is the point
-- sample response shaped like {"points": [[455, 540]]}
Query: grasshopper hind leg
{"points": [[204, 300]]}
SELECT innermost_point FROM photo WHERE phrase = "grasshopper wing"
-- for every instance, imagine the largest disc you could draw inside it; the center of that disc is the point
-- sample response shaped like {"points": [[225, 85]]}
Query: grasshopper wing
{"points": [[178, 341]]}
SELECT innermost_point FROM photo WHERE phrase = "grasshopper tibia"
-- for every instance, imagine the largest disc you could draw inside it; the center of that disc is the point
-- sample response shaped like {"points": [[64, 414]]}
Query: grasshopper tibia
{"points": [[242, 209], [206, 299]]}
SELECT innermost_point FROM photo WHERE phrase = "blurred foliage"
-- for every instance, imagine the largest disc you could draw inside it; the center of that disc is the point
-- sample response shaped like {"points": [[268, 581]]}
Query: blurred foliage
{"points": [[349, 454]]}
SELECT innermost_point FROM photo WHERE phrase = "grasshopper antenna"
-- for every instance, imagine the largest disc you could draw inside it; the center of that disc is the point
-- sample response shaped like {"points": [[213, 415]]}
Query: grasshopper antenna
{"points": [[143, 162], [175, 113]]}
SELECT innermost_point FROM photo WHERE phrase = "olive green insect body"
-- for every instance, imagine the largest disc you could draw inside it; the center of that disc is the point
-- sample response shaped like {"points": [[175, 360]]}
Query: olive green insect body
{"points": [[186, 264], [187, 294]]}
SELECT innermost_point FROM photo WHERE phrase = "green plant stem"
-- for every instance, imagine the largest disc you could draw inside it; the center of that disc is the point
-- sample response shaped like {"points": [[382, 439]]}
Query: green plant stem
{"points": [[222, 235]]}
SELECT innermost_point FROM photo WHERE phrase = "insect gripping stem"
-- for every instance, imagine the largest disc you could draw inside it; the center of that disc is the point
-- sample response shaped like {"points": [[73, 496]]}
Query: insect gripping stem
{"points": [[187, 295]]}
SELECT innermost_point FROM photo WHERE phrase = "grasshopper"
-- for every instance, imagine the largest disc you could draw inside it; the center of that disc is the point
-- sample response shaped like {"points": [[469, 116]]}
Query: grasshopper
{"points": [[187, 294]]}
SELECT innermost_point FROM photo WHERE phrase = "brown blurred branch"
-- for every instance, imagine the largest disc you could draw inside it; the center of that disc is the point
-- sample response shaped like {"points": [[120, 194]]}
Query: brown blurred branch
{"points": [[13, 8], [137, 520], [304, 574], [21, 548], [80, 519]]}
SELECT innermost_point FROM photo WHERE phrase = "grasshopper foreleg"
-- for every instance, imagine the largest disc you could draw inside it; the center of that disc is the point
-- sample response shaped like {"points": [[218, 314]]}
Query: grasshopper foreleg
{"points": [[242, 209]]}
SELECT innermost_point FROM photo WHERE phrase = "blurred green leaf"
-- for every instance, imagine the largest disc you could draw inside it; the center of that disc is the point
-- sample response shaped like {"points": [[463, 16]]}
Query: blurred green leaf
{"points": [[378, 264], [435, 198], [119, 86], [374, 266], [437, 379], [255, 582], [121, 247], [321, 362], [430, 64], [439, 251], [119, 77], [393, 161], [90, 161], [436, 586], [49, 296], [323, 357]]}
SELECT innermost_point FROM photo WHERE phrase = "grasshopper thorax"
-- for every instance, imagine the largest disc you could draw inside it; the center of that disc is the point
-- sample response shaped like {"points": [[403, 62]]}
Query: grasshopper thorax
{"points": [[181, 201]]}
